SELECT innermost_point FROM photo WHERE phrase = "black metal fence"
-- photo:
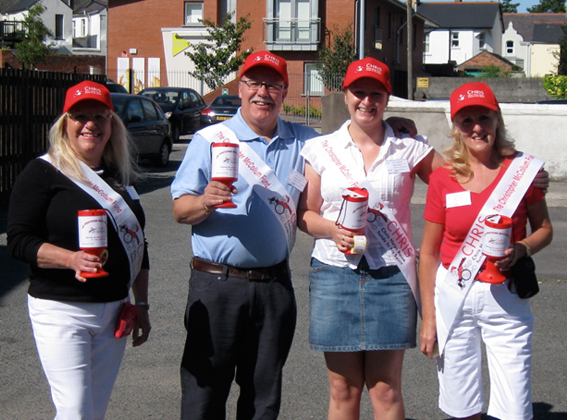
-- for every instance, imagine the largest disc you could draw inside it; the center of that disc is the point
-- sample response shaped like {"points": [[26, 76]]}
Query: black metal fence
{"points": [[30, 101]]}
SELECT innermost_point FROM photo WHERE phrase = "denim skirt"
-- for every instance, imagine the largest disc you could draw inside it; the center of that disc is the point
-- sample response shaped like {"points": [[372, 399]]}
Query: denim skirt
{"points": [[360, 310]]}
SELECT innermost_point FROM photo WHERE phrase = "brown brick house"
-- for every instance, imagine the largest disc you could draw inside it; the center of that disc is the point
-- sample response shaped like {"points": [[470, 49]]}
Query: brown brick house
{"points": [[150, 36]]}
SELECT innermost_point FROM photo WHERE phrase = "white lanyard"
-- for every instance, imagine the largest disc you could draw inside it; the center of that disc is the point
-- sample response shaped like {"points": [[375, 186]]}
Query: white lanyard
{"points": [[122, 217], [382, 225], [504, 200], [261, 178]]}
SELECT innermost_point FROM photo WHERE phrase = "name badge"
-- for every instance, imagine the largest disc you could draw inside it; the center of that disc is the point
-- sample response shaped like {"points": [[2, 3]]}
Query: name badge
{"points": [[458, 199], [296, 180], [397, 166], [132, 192]]}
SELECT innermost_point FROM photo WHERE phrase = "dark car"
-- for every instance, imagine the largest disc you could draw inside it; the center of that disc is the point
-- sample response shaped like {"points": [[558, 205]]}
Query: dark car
{"points": [[115, 87], [182, 107], [223, 108], [553, 102], [146, 124]]}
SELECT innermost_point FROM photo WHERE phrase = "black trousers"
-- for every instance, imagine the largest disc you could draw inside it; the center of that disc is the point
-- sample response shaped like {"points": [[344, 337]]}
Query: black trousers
{"points": [[237, 329]]}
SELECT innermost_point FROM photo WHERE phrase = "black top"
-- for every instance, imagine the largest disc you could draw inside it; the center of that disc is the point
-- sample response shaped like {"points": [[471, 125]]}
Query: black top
{"points": [[44, 207]]}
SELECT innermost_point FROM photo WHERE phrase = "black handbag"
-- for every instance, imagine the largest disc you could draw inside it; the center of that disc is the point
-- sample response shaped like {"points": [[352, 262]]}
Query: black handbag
{"points": [[524, 278]]}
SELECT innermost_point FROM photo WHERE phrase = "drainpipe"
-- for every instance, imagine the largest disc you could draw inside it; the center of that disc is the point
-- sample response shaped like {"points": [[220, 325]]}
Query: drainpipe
{"points": [[362, 5]]}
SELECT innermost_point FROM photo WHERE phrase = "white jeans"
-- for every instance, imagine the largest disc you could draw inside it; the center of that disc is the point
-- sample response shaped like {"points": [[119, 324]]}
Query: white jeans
{"points": [[499, 318], [79, 354]]}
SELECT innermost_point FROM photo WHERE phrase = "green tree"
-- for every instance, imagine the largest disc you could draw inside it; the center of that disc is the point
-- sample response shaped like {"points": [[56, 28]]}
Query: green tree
{"points": [[548, 6], [335, 58], [33, 49], [556, 86], [562, 55], [220, 55], [509, 7]]}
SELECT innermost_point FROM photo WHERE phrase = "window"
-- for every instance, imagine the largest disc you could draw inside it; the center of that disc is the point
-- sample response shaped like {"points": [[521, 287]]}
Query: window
{"points": [[454, 39], [84, 27], [58, 26], [291, 25], [509, 47], [313, 84], [135, 112], [150, 111], [481, 42], [193, 12], [426, 43]]}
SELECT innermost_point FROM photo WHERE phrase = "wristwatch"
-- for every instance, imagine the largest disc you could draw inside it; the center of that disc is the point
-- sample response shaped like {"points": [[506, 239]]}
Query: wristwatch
{"points": [[144, 304]]}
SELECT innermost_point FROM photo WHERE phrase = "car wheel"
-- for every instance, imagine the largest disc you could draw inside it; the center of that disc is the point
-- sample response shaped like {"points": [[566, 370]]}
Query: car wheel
{"points": [[175, 132], [163, 158]]}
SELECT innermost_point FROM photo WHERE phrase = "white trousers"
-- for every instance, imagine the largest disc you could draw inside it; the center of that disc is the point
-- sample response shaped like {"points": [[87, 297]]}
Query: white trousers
{"points": [[79, 354], [504, 322]]}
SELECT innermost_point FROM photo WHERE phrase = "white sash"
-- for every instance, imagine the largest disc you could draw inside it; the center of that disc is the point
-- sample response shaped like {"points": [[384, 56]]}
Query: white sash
{"points": [[261, 178], [122, 217], [383, 226], [504, 200]]}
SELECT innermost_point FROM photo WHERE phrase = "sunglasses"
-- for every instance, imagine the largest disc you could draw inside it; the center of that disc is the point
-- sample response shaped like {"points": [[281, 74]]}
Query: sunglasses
{"points": [[82, 118]]}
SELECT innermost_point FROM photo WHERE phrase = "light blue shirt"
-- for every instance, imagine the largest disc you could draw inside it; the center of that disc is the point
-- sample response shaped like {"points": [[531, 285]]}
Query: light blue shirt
{"points": [[248, 236]]}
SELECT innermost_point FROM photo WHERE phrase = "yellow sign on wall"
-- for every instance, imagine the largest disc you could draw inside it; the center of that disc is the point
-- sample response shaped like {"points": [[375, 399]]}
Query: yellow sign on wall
{"points": [[422, 82]]}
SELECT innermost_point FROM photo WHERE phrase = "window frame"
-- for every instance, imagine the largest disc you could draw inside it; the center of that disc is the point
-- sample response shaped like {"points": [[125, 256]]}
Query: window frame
{"points": [[58, 33], [311, 71], [186, 9], [455, 41]]}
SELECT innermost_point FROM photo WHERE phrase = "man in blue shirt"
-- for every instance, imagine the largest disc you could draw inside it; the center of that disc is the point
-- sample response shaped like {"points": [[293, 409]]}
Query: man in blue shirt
{"points": [[241, 311]]}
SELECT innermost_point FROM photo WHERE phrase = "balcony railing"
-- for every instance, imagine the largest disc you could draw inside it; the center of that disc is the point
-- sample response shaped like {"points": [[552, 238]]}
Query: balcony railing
{"points": [[11, 32], [292, 33]]}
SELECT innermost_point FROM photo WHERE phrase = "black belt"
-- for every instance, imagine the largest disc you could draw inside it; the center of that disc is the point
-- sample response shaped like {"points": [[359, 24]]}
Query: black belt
{"points": [[267, 273]]}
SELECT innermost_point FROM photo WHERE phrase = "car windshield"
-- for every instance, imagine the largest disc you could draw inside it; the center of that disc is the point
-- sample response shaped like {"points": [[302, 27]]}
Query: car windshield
{"points": [[119, 104], [162, 96], [227, 101]]}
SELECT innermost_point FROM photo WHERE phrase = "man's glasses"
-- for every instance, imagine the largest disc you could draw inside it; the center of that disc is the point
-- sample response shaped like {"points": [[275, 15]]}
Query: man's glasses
{"points": [[83, 118], [255, 85]]}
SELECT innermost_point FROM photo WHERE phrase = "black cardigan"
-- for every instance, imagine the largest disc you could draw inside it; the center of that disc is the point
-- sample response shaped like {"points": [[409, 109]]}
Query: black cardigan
{"points": [[43, 208]]}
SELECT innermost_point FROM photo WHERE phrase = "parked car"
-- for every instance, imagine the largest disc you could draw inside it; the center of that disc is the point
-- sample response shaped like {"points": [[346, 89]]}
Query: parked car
{"points": [[115, 87], [147, 125], [223, 108], [182, 107]]}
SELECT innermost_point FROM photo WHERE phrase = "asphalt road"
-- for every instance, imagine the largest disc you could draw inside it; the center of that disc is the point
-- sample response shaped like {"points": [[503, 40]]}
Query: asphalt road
{"points": [[148, 383]]}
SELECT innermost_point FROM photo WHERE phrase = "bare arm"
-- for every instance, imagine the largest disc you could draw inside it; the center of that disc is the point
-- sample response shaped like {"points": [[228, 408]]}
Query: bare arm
{"points": [[309, 219], [402, 126], [52, 256], [428, 264], [142, 326], [193, 209], [427, 165]]}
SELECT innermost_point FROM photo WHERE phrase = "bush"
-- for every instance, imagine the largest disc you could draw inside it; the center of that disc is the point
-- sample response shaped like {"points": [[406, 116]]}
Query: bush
{"points": [[556, 86], [300, 112]]}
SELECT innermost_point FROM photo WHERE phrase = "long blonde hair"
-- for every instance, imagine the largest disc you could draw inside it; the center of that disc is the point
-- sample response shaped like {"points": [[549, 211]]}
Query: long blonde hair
{"points": [[117, 154], [457, 155]]}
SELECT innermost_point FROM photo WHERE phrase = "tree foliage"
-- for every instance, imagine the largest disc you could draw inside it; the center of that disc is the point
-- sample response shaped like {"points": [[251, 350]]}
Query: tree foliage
{"points": [[33, 49], [562, 66], [556, 86], [509, 7], [220, 55], [548, 6], [335, 58]]}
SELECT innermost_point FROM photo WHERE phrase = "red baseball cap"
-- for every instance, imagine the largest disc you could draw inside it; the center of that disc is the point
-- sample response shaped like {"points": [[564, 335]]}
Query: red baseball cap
{"points": [[266, 59], [368, 67], [87, 90], [471, 94]]}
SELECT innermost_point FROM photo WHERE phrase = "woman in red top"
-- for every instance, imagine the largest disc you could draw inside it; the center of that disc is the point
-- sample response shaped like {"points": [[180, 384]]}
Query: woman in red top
{"points": [[489, 313]]}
